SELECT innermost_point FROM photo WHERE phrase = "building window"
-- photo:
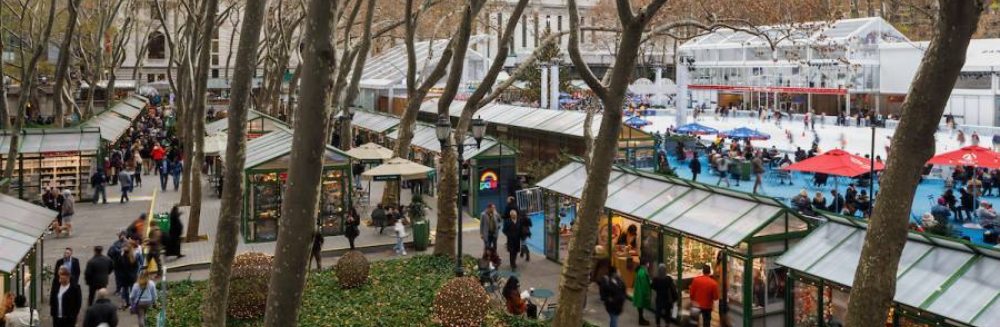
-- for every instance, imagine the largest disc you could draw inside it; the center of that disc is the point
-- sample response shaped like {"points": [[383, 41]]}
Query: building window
{"points": [[524, 31], [548, 23], [536, 30], [161, 77], [215, 73], [157, 46], [150, 78], [215, 59]]}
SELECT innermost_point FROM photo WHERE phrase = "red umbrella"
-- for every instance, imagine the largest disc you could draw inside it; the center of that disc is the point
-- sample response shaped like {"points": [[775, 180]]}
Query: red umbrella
{"points": [[972, 155], [836, 162]]}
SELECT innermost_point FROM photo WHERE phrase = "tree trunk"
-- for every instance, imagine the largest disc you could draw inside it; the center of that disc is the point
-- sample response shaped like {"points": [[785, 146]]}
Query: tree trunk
{"points": [[198, 115], [293, 89], [27, 84], [875, 278], [575, 275], [855, 11], [4, 110], [62, 64], [227, 231], [298, 211]]}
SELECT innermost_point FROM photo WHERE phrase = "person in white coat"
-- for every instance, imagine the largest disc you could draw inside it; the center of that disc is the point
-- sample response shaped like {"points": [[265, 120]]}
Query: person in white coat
{"points": [[400, 235]]}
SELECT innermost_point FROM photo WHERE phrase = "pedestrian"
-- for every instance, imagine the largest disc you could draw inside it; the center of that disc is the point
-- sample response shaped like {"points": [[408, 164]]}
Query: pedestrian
{"points": [[101, 312], [317, 249], [176, 167], [400, 235], [952, 203], [66, 211], [489, 224], [143, 296], [378, 217], [158, 153], [72, 266], [352, 226], [99, 267], [704, 292], [511, 206], [758, 172], [98, 181], [666, 296], [115, 254], [154, 248], [513, 229], [65, 300], [722, 165], [172, 241], [128, 264], [137, 171], [968, 203], [22, 315], [125, 180], [162, 168], [641, 292], [612, 290], [695, 166]]}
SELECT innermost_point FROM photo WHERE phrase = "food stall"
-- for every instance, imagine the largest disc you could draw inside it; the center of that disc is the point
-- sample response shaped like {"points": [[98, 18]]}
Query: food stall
{"points": [[63, 158], [23, 226], [687, 225], [267, 162], [940, 281], [493, 166]]}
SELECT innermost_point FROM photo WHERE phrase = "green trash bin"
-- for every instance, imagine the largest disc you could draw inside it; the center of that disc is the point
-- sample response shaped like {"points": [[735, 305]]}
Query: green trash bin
{"points": [[162, 220], [421, 235]]}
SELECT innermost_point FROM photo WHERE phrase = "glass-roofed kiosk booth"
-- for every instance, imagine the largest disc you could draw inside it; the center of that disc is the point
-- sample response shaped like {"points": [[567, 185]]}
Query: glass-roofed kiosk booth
{"points": [[685, 225], [372, 126], [491, 169], [267, 160], [940, 281], [22, 229], [258, 124], [62, 158]]}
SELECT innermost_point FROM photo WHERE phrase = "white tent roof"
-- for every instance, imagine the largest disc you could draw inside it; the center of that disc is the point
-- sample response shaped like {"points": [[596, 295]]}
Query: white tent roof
{"points": [[837, 32], [388, 69]]}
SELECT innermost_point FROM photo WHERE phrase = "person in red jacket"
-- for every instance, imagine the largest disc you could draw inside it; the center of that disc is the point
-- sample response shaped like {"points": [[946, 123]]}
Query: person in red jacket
{"points": [[157, 153], [704, 292]]}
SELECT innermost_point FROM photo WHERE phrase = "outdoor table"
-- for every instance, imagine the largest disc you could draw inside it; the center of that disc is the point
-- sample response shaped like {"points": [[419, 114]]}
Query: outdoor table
{"points": [[543, 294]]}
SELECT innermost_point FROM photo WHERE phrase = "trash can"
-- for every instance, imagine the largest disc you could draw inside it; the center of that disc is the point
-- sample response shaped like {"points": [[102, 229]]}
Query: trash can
{"points": [[421, 235], [162, 220]]}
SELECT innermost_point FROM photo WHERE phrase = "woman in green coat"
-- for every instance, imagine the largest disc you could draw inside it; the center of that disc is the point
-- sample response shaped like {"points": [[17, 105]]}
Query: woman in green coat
{"points": [[641, 292]]}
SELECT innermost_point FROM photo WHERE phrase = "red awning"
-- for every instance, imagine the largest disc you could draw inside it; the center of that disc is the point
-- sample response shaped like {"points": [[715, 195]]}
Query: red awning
{"points": [[972, 155], [836, 162]]}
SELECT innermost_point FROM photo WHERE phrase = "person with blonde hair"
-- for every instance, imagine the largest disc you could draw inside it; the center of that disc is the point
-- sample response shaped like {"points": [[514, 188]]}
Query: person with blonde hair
{"points": [[142, 297], [65, 300]]}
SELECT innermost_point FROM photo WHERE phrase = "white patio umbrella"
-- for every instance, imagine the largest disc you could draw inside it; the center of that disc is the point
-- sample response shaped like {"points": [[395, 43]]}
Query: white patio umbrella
{"points": [[397, 169], [370, 152]]}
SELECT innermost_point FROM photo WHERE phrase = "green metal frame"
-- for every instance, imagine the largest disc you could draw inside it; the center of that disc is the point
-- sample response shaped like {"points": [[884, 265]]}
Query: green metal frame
{"points": [[247, 184]]}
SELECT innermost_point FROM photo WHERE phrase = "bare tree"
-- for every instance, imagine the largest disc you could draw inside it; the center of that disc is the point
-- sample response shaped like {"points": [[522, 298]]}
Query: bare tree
{"points": [[37, 44], [200, 97], [91, 47], [62, 64], [875, 278], [298, 210], [235, 21], [351, 92], [227, 231]]}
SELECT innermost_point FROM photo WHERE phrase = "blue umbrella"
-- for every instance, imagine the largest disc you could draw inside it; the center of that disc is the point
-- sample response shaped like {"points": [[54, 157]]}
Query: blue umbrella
{"points": [[636, 121], [696, 128], [746, 133]]}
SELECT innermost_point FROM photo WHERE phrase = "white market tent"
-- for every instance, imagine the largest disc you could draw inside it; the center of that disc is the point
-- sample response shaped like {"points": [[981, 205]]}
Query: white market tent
{"points": [[388, 69], [845, 31], [942, 276]]}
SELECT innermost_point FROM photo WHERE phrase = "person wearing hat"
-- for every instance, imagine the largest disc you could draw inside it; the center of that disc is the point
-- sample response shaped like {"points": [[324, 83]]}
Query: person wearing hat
{"points": [[940, 211]]}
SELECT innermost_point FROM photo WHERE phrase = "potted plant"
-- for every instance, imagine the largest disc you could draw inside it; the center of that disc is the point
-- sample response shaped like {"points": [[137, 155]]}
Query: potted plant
{"points": [[417, 211]]}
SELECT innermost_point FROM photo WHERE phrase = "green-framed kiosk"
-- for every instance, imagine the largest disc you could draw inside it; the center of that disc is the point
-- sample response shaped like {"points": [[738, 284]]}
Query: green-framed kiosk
{"points": [[58, 157], [22, 229], [940, 281], [267, 161], [685, 225]]}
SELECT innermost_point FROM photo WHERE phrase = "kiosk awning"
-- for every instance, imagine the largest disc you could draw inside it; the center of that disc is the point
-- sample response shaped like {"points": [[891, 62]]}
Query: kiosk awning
{"points": [[425, 137], [715, 214], [375, 122], [277, 144], [130, 108], [267, 123], [21, 224], [32, 141], [112, 126], [942, 276]]}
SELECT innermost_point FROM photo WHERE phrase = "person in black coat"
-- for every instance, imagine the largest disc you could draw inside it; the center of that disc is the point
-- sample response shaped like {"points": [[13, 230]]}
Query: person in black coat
{"points": [[101, 312], [666, 295], [514, 229], [613, 295], [695, 166], [511, 206], [72, 265], [352, 231], [968, 203], [96, 273], [65, 300], [172, 243]]}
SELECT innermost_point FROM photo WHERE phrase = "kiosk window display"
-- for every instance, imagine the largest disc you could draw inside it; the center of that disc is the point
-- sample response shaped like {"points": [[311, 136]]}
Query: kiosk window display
{"points": [[61, 158], [267, 161]]}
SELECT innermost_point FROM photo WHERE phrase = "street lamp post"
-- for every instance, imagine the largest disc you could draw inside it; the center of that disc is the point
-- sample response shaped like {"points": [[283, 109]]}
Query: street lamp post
{"points": [[443, 130]]}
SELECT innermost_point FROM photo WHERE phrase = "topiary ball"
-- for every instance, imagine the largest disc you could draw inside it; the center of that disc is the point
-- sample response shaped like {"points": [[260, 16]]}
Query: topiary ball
{"points": [[248, 285], [352, 269], [461, 302]]}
